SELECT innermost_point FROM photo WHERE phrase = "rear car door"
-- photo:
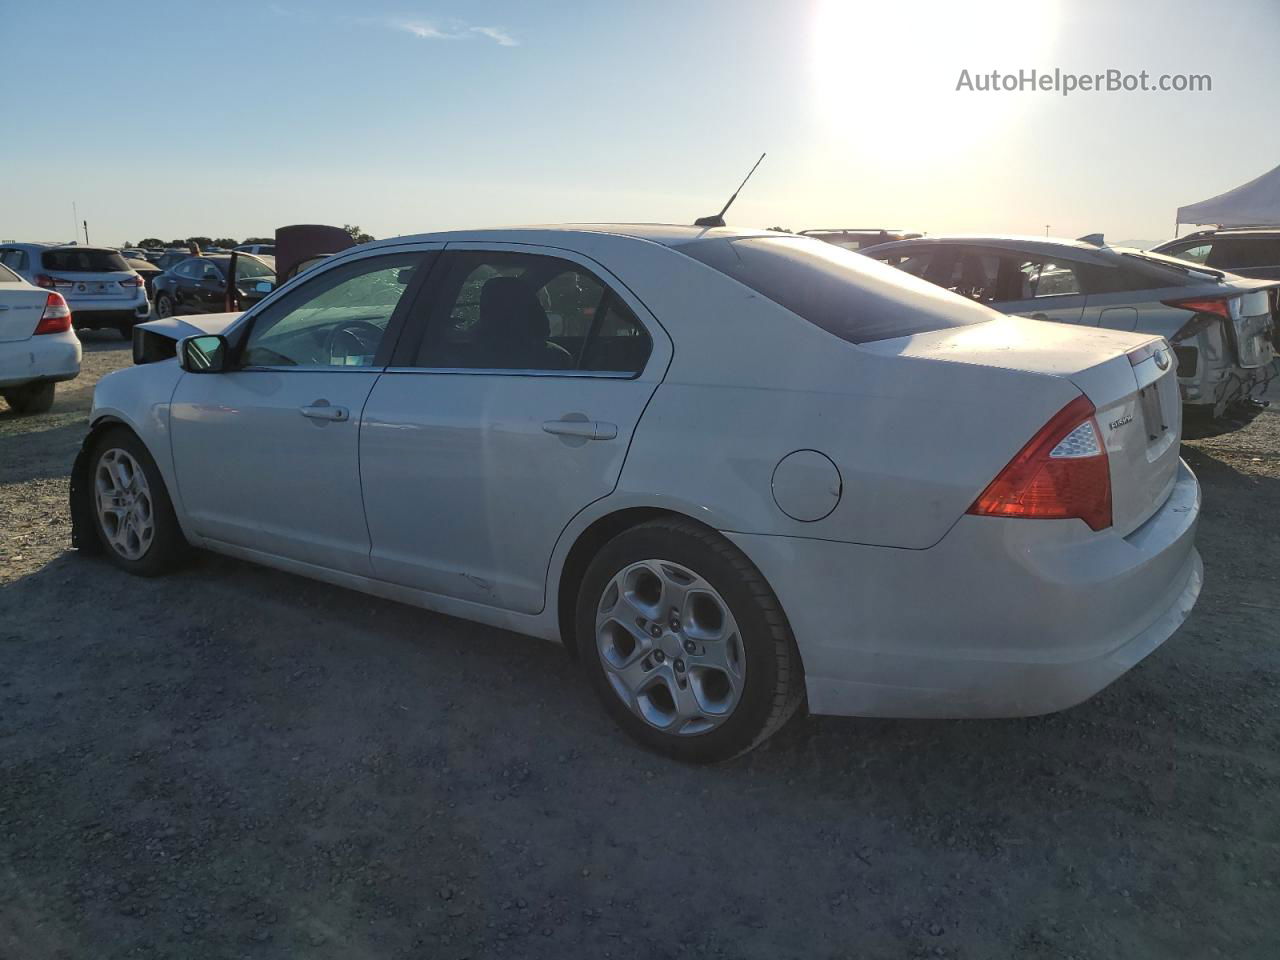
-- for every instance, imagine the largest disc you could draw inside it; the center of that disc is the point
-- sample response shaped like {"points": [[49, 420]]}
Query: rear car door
{"points": [[208, 295], [266, 453], [509, 412]]}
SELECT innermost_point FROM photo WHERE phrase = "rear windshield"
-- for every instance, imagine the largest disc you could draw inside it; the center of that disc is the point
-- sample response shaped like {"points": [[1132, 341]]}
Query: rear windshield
{"points": [[8, 276], [84, 260], [852, 296]]}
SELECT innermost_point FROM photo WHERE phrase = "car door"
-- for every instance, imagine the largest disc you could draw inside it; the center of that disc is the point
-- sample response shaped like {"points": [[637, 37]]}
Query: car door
{"points": [[183, 284], [1040, 288], [508, 413], [266, 453], [208, 293]]}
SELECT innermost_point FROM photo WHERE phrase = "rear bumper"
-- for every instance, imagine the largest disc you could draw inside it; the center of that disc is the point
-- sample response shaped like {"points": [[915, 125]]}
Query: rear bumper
{"points": [[1002, 618], [50, 356], [110, 318]]}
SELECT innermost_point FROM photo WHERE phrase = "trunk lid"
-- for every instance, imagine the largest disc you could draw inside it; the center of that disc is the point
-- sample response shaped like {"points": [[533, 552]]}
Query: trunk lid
{"points": [[21, 307], [1131, 379]]}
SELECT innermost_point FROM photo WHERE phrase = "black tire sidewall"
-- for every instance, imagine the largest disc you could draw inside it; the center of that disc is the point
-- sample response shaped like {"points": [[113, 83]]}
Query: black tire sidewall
{"points": [[31, 397], [759, 642], [166, 544], [163, 297]]}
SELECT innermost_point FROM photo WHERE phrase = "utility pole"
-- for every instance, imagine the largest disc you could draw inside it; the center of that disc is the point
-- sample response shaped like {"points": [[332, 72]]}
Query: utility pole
{"points": [[86, 233], [1046, 231], [75, 219]]}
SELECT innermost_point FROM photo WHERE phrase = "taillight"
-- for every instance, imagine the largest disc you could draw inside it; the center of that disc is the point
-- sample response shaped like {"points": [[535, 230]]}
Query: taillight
{"points": [[1062, 472], [44, 280], [1206, 309], [56, 317], [134, 281]]}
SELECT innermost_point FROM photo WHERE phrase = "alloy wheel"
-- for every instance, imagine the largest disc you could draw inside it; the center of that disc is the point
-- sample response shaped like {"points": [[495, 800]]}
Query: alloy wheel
{"points": [[670, 647], [124, 504]]}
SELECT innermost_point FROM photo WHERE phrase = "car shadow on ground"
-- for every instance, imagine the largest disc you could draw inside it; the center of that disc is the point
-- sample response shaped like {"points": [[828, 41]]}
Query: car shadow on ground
{"points": [[184, 758]]}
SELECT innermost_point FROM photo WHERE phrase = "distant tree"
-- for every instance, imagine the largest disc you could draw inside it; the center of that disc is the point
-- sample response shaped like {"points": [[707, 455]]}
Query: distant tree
{"points": [[226, 243], [176, 243], [200, 242], [358, 235], [248, 240], [148, 242], [780, 229]]}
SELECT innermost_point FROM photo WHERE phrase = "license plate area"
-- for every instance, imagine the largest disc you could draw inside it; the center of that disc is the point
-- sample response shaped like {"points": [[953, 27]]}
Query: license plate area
{"points": [[1153, 418]]}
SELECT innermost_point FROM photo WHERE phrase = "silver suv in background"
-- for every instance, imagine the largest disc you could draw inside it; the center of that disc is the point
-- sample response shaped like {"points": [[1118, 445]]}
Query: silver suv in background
{"points": [[1222, 327], [99, 286], [1248, 251]]}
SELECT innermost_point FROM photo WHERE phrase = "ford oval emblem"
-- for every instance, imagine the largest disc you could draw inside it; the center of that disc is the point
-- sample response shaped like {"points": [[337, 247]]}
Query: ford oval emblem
{"points": [[1162, 360]]}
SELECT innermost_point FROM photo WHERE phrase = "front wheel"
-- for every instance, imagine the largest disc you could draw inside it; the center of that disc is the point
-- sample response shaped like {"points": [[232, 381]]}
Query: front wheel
{"points": [[31, 397], [685, 643], [132, 512]]}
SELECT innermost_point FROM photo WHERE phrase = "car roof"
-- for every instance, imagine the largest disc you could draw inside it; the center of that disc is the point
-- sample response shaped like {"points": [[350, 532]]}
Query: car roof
{"points": [[667, 234], [1259, 231], [1046, 246]]}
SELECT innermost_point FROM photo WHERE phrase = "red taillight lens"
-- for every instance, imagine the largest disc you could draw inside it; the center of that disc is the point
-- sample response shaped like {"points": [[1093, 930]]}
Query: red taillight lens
{"points": [[132, 282], [1206, 310], [1062, 472], [56, 317], [44, 280], [1215, 305]]}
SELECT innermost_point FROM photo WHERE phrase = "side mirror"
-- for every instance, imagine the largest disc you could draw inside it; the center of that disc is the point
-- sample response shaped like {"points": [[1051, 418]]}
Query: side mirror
{"points": [[203, 354]]}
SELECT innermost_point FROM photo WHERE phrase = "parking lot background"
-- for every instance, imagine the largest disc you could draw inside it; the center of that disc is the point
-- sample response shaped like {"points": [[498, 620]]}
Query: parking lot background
{"points": [[235, 762]]}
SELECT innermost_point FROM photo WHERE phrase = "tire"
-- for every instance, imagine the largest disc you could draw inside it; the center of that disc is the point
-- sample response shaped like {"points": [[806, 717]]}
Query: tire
{"points": [[676, 720], [163, 305], [146, 556], [31, 397], [126, 330]]}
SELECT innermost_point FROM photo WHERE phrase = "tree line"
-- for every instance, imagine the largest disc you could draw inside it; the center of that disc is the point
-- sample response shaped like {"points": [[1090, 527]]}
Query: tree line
{"points": [[150, 243]]}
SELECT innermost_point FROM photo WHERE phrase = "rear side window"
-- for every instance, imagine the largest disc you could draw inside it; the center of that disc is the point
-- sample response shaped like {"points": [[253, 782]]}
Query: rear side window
{"points": [[847, 294], [519, 311], [1239, 253], [14, 259], [83, 260]]}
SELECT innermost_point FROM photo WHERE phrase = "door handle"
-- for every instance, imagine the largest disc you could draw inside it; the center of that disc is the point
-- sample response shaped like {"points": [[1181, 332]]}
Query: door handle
{"points": [[321, 410], [586, 429]]}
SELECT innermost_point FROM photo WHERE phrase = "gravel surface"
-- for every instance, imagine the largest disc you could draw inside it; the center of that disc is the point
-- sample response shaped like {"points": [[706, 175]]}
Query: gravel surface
{"points": [[233, 762]]}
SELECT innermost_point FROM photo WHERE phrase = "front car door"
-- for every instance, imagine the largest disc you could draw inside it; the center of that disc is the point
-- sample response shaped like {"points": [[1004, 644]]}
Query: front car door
{"points": [[1040, 288], [510, 412], [266, 454]]}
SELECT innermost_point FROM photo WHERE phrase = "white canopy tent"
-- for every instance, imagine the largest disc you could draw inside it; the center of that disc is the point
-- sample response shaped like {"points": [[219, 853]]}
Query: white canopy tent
{"points": [[1252, 204]]}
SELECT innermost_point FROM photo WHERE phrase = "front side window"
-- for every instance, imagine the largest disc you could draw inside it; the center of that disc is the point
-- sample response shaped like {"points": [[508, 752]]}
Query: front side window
{"points": [[517, 311], [337, 319], [1243, 253], [1196, 252], [187, 269], [250, 268]]}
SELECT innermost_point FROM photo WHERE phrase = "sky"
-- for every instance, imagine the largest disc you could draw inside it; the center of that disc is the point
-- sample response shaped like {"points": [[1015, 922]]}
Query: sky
{"points": [[181, 119]]}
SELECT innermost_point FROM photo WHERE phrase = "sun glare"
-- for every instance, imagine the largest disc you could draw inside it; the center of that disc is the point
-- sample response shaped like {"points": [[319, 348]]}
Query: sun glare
{"points": [[885, 74]]}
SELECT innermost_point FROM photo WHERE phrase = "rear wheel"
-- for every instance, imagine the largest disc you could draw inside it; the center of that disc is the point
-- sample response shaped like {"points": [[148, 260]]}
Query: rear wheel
{"points": [[30, 397], [132, 512], [685, 643], [164, 305]]}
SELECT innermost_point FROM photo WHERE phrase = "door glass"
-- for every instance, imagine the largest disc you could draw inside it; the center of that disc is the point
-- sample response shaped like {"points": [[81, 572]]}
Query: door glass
{"points": [[336, 319], [508, 311], [1197, 253], [1057, 280]]}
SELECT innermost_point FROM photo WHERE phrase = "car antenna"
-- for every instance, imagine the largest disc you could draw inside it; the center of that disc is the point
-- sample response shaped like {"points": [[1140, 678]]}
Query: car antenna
{"points": [[717, 220]]}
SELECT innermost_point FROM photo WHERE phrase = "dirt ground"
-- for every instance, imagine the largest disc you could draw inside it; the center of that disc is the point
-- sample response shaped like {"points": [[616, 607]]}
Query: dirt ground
{"points": [[232, 762]]}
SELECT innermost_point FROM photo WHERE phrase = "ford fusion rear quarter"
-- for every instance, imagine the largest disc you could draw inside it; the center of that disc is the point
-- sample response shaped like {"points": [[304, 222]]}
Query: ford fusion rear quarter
{"points": [[730, 470]]}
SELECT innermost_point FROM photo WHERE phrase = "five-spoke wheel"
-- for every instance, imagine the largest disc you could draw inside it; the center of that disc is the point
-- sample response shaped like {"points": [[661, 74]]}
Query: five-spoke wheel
{"points": [[685, 643], [123, 501]]}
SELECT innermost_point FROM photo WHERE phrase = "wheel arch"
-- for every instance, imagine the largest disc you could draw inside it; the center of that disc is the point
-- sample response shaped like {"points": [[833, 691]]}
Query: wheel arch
{"points": [[83, 536], [589, 543]]}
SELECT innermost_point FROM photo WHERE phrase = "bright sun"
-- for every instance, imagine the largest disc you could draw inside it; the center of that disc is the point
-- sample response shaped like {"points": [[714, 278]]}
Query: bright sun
{"points": [[885, 75]]}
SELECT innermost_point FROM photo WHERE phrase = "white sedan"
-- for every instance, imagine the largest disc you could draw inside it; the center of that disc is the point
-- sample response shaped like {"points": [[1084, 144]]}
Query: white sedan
{"points": [[731, 471], [37, 346]]}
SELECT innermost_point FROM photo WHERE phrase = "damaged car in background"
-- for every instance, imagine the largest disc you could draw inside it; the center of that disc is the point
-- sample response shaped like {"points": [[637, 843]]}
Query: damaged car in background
{"points": [[1223, 328]]}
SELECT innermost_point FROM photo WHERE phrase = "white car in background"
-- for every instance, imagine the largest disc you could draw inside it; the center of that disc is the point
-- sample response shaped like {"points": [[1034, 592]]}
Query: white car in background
{"points": [[37, 346], [99, 286], [731, 470]]}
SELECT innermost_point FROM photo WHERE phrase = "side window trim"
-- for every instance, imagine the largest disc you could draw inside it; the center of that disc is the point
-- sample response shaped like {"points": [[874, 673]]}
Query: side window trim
{"points": [[403, 358], [405, 309]]}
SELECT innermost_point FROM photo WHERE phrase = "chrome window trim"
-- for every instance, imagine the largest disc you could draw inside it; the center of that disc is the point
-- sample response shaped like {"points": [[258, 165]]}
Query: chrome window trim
{"points": [[506, 372]]}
